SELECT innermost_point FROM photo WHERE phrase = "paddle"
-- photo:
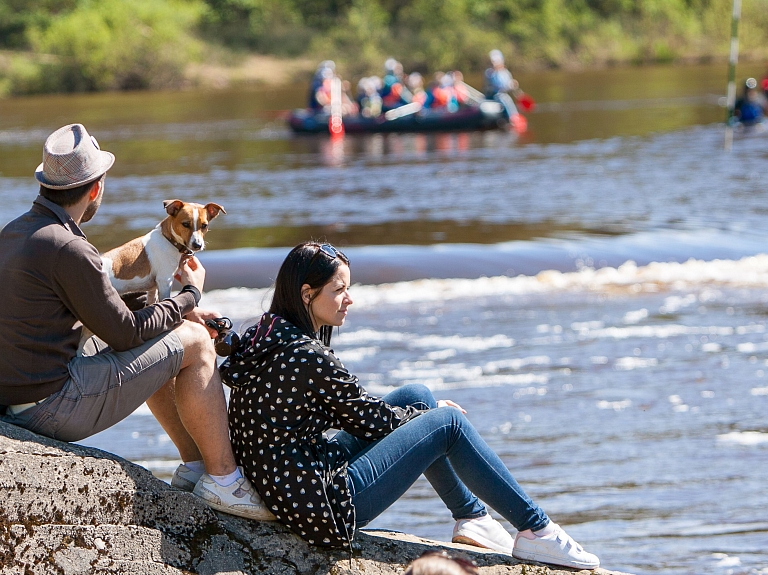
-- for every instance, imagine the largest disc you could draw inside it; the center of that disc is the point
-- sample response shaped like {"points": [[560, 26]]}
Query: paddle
{"points": [[518, 121], [402, 111], [525, 100], [474, 94]]}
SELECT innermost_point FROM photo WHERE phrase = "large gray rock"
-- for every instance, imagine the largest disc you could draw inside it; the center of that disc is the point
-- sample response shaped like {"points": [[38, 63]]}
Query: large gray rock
{"points": [[69, 509]]}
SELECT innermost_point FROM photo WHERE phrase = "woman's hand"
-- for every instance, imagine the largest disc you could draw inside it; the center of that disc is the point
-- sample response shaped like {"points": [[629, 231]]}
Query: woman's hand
{"points": [[449, 403]]}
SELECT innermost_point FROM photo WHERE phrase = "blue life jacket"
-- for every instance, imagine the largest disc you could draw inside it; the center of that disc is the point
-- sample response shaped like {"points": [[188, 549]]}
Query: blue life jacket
{"points": [[749, 112]]}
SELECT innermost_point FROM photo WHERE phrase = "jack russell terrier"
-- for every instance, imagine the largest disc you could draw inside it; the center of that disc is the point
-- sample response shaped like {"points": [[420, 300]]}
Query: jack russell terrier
{"points": [[149, 263]]}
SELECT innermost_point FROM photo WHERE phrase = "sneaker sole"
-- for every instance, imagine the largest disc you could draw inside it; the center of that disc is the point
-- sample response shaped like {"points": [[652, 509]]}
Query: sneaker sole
{"points": [[475, 543], [538, 559], [264, 515], [183, 484]]}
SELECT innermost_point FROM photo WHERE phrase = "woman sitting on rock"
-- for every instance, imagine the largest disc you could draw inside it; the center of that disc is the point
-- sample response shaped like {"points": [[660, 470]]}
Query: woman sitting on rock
{"points": [[288, 388]]}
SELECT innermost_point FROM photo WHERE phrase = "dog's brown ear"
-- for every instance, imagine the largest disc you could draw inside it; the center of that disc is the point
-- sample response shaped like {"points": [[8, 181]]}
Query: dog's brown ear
{"points": [[172, 206], [214, 209]]}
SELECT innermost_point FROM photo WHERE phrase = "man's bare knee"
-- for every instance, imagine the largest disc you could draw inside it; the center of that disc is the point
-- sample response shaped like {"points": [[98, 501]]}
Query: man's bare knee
{"points": [[197, 343]]}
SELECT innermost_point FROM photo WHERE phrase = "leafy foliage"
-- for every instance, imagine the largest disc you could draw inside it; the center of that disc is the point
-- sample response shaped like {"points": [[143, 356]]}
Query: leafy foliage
{"points": [[121, 44], [267, 26], [104, 44], [17, 16], [429, 34]]}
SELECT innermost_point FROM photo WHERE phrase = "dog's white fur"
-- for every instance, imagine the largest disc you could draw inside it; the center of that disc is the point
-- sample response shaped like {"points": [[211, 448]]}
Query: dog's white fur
{"points": [[164, 260]]}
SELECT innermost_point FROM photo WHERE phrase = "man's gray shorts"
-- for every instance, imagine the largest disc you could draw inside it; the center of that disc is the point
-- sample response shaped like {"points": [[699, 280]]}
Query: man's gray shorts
{"points": [[104, 387]]}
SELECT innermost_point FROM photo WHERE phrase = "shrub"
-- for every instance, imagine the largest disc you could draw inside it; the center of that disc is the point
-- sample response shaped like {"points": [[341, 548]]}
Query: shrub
{"points": [[268, 26], [120, 44], [17, 16], [359, 42]]}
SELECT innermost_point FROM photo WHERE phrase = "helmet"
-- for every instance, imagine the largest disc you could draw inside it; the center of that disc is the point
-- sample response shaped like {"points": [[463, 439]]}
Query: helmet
{"points": [[415, 80], [496, 57]]}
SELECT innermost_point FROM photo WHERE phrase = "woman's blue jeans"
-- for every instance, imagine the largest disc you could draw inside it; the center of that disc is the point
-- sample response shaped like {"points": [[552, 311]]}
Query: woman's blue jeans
{"points": [[444, 446]]}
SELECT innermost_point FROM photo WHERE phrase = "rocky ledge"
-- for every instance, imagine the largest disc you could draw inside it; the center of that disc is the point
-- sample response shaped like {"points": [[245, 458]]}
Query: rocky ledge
{"points": [[69, 509]]}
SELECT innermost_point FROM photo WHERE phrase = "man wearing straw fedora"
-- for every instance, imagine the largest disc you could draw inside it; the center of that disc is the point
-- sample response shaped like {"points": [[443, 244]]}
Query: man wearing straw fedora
{"points": [[52, 284]]}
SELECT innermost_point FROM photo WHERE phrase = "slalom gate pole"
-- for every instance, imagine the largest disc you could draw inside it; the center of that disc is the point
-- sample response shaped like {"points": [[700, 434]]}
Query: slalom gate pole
{"points": [[734, 57]]}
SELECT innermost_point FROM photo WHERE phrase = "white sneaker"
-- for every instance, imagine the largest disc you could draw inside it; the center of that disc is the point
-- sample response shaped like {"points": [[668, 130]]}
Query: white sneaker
{"points": [[483, 531], [184, 478], [240, 498], [557, 548]]}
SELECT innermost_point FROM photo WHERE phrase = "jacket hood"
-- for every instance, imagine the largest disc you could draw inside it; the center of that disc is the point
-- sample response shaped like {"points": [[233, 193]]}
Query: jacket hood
{"points": [[258, 345]]}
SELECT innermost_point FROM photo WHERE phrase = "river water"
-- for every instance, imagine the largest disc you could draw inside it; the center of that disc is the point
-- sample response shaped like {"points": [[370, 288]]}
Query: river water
{"points": [[593, 292]]}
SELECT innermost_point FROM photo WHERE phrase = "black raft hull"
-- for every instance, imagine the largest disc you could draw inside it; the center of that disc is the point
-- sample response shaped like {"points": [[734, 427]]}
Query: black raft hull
{"points": [[489, 115]]}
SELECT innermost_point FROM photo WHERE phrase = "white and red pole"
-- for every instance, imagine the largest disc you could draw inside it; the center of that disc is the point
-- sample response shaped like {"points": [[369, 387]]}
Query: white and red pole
{"points": [[734, 57], [335, 123]]}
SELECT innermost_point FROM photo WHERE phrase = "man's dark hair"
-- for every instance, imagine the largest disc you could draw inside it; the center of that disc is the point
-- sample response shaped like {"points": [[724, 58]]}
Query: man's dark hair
{"points": [[70, 197], [306, 264]]}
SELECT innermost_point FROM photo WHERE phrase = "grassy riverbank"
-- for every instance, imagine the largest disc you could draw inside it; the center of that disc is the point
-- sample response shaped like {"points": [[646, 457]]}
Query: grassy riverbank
{"points": [[88, 45]]}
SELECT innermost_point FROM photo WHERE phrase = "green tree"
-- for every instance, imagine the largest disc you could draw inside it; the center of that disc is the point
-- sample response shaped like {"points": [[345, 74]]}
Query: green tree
{"points": [[268, 26], [17, 16], [118, 44]]}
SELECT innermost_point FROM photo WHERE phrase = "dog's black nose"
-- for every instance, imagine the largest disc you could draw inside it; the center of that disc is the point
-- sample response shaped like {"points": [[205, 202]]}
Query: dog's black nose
{"points": [[196, 245]]}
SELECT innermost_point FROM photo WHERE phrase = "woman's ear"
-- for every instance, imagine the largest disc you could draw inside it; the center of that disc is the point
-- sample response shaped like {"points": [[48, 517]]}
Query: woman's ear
{"points": [[306, 294]]}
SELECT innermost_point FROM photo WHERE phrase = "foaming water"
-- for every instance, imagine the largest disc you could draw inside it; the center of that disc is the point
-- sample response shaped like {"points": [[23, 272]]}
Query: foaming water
{"points": [[656, 277], [629, 402]]}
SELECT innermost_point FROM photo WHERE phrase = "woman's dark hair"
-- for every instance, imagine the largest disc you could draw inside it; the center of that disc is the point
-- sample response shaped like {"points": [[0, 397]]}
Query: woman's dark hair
{"points": [[308, 263]]}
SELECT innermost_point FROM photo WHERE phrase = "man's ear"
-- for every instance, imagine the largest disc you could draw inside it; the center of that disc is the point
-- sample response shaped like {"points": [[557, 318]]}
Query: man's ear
{"points": [[95, 189], [306, 294]]}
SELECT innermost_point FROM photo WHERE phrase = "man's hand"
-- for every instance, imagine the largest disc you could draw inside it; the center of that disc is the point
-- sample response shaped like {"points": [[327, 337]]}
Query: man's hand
{"points": [[449, 403], [191, 272], [198, 315]]}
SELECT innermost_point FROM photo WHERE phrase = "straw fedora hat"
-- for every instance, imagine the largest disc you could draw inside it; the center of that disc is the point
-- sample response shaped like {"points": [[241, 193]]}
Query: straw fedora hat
{"points": [[71, 158]]}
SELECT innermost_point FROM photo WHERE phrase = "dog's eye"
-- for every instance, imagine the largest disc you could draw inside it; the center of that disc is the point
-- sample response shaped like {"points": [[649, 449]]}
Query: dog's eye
{"points": [[204, 227], [186, 224]]}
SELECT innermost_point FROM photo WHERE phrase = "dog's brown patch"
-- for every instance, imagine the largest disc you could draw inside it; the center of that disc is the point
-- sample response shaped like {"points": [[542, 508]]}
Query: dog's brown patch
{"points": [[130, 260], [173, 230]]}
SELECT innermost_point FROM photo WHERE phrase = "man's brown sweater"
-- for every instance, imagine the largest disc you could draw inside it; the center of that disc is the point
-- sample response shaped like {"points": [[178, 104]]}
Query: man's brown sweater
{"points": [[51, 282]]}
